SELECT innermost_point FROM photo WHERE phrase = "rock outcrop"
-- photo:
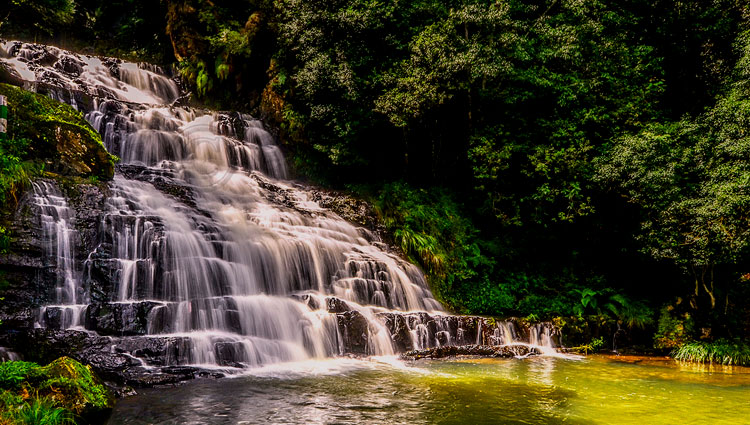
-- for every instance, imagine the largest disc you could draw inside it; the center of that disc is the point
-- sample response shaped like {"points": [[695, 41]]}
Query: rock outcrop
{"points": [[503, 351]]}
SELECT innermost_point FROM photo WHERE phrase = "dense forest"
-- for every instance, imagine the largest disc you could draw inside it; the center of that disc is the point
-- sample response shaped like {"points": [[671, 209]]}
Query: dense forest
{"points": [[582, 161]]}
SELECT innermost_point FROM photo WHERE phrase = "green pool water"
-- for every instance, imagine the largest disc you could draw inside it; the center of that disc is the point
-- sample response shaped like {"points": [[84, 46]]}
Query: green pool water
{"points": [[542, 390]]}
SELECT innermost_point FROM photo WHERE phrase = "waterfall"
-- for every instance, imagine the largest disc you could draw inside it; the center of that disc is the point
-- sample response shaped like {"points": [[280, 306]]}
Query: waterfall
{"points": [[209, 246], [59, 238]]}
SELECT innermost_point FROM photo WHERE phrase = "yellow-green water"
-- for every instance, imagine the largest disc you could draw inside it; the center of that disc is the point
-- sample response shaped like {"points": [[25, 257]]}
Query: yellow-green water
{"points": [[597, 390]]}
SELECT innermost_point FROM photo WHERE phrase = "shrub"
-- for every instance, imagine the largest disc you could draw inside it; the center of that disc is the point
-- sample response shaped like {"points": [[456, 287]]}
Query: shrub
{"points": [[722, 351], [434, 232], [673, 330]]}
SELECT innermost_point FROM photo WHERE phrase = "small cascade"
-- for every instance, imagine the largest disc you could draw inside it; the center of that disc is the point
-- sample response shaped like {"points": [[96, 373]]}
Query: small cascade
{"points": [[420, 331], [206, 254], [8, 355], [542, 336], [59, 238]]}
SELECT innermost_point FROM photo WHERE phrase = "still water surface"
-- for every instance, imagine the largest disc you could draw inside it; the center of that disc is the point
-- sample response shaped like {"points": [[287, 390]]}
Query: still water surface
{"points": [[543, 390]]}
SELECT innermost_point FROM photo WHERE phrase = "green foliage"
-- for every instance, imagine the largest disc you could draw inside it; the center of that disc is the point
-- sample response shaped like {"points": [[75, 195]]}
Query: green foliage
{"points": [[40, 411], [689, 179], [44, 16], [43, 130], [432, 231], [674, 329], [131, 29], [15, 373], [723, 351], [53, 394], [221, 47], [608, 302], [593, 346], [435, 232]]}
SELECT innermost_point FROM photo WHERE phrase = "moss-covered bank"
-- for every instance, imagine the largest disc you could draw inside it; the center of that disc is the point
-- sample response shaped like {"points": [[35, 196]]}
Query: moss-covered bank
{"points": [[64, 391], [54, 134]]}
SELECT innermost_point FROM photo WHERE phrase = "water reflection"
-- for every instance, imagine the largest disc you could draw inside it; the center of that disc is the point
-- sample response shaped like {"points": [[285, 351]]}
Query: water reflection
{"points": [[473, 391]]}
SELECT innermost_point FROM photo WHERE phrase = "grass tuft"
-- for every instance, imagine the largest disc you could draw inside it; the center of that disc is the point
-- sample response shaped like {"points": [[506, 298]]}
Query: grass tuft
{"points": [[723, 351], [40, 411]]}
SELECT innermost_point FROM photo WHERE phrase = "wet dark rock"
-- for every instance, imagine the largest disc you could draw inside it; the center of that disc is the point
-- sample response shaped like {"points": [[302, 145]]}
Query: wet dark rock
{"points": [[70, 66], [277, 194], [307, 299], [227, 352], [25, 268], [504, 351], [10, 76], [336, 305], [119, 319], [114, 359], [399, 330], [45, 345], [349, 208], [163, 181], [146, 378], [354, 332]]}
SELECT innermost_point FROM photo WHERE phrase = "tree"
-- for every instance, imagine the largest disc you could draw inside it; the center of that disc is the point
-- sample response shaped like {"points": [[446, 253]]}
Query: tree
{"points": [[44, 16], [691, 180]]}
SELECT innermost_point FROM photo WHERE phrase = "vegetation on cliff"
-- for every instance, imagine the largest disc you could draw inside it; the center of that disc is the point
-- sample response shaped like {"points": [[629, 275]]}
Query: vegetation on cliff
{"points": [[63, 392], [44, 136], [47, 136]]}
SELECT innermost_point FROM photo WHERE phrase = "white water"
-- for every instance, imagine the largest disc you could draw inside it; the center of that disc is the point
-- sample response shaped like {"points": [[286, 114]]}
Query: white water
{"points": [[59, 248], [241, 266]]}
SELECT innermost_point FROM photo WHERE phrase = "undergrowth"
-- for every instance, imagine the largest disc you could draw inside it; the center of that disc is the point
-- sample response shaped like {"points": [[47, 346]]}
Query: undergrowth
{"points": [[431, 229], [722, 351], [58, 393], [39, 411]]}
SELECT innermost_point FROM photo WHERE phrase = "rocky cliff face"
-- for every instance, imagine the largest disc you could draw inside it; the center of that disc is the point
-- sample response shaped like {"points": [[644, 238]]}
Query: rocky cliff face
{"points": [[65, 151]]}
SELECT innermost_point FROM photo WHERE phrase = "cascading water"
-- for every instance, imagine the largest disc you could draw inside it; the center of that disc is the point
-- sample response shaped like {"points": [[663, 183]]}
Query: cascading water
{"points": [[59, 237], [211, 248]]}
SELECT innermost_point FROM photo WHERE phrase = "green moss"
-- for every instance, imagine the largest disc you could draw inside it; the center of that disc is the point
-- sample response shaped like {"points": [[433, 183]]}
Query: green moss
{"points": [[44, 137], [79, 388], [56, 393], [46, 134]]}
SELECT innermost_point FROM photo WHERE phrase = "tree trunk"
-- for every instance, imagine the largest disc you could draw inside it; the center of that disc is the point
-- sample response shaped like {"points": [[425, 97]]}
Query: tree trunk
{"points": [[709, 290]]}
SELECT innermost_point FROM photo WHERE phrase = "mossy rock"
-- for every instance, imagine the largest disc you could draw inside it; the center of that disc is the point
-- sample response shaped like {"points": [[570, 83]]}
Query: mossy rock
{"points": [[55, 134], [77, 388], [65, 382]]}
